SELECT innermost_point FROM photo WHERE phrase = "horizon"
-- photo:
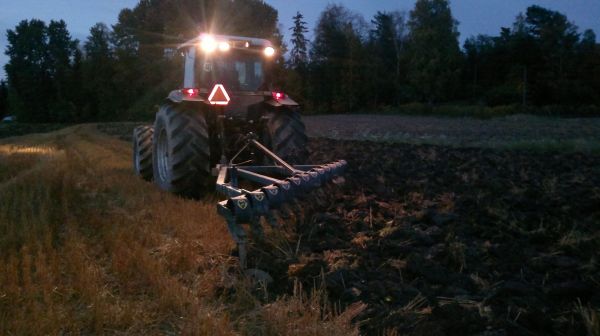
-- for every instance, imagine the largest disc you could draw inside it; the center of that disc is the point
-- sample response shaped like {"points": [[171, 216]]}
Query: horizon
{"points": [[473, 19]]}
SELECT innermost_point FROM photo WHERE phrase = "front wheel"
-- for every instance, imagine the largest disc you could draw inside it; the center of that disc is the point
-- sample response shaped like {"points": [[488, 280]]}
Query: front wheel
{"points": [[181, 147]]}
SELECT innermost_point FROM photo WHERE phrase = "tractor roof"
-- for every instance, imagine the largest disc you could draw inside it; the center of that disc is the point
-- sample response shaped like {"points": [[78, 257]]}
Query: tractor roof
{"points": [[235, 40]]}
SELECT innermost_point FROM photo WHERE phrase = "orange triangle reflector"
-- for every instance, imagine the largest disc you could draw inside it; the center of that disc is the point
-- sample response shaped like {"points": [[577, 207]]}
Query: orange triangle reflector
{"points": [[219, 95]]}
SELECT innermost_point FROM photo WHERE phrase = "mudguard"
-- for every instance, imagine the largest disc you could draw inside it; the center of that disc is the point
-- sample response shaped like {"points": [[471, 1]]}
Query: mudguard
{"points": [[176, 96], [286, 101]]}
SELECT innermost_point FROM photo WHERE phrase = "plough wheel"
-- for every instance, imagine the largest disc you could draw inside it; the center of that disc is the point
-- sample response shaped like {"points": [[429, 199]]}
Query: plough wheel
{"points": [[181, 151]]}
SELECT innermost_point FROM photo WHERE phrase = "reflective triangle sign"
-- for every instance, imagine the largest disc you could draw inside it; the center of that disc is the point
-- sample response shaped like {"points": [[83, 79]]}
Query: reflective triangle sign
{"points": [[219, 96]]}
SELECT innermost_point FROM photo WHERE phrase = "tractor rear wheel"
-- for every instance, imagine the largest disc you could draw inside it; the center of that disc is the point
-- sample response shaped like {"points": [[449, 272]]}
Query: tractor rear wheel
{"points": [[142, 151], [181, 150], [285, 134]]}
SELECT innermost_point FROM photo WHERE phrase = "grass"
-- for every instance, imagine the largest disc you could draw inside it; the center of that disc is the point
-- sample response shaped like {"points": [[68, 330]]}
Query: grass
{"points": [[87, 248]]}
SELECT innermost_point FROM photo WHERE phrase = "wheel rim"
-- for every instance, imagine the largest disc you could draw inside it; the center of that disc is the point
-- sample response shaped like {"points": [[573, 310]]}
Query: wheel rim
{"points": [[162, 156]]}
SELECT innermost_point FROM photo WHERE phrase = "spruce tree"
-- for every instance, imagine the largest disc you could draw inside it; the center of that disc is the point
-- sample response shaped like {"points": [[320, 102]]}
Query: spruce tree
{"points": [[299, 53], [435, 57], [3, 99]]}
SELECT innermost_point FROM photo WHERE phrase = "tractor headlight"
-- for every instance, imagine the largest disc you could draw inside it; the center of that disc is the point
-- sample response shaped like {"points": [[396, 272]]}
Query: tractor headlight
{"points": [[269, 51], [208, 44]]}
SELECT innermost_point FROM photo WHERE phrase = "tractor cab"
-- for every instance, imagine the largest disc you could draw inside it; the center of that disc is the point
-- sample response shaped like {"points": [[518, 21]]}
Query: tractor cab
{"points": [[241, 65], [238, 63]]}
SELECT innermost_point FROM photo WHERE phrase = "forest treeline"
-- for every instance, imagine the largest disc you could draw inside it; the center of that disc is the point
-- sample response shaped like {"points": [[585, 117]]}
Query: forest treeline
{"points": [[543, 62]]}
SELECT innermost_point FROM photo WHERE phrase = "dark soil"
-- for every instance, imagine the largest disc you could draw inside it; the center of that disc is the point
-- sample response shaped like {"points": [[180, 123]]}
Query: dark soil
{"points": [[440, 240]]}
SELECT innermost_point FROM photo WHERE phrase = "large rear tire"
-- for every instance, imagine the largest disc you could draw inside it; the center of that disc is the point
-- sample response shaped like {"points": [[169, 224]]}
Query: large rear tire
{"points": [[142, 151], [285, 134], [181, 150]]}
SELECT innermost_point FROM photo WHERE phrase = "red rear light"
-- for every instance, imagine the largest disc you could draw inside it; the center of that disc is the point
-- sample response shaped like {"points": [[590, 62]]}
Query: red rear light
{"points": [[190, 92], [278, 95]]}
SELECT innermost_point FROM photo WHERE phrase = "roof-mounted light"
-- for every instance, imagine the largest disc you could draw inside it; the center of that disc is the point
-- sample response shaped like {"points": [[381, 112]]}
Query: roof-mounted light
{"points": [[269, 51], [208, 43], [224, 46]]}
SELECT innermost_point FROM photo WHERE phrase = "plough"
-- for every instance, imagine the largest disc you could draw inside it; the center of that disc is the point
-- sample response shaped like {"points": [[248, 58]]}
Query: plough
{"points": [[279, 184]]}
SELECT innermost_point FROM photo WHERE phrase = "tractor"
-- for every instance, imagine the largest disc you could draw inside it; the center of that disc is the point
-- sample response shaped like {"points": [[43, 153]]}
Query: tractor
{"points": [[227, 122]]}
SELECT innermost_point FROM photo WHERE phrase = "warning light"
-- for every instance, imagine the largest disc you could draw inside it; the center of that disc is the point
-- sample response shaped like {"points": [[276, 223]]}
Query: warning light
{"points": [[278, 95], [219, 95], [190, 92]]}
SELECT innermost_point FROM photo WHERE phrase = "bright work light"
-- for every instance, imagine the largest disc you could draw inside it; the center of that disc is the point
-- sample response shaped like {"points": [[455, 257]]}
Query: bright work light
{"points": [[224, 46], [208, 44], [269, 51]]}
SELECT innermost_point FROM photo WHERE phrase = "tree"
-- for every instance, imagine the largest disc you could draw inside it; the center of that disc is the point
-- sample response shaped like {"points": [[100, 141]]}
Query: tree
{"points": [[588, 41], [98, 72], [3, 98], [556, 39], [523, 57], [61, 49], [478, 51], [338, 58], [296, 74], [387, 48], [40, 70], [434, 55], [299, 53], [27, 71], [76, 92], [588, 69]]}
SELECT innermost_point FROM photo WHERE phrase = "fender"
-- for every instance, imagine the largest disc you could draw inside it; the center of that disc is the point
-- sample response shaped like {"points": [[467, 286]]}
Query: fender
{"points": [[176, 96], [285, 101]]}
